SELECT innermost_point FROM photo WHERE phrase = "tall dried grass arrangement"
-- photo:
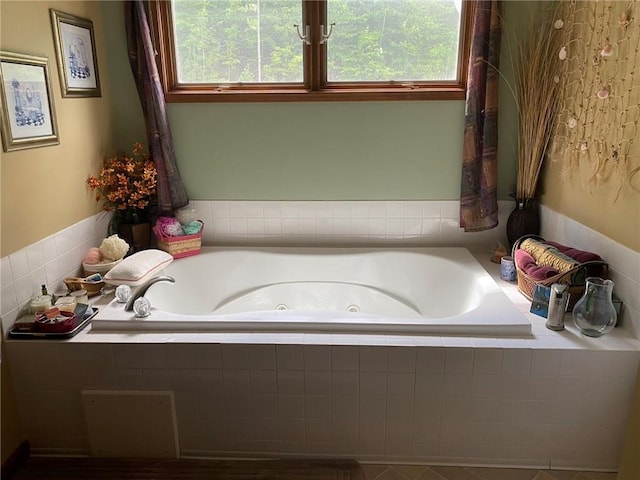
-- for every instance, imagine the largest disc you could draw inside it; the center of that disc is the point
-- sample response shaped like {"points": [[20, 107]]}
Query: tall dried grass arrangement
{"points": [[536, 90]]}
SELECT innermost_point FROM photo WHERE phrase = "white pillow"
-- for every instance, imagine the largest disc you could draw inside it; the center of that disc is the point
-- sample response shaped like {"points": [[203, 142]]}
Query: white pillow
{"points": [[136, 269]]}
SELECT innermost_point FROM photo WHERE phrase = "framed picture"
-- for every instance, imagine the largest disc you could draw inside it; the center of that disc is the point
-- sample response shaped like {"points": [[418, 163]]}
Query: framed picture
{"points": [[76, 52], [26, 104]]}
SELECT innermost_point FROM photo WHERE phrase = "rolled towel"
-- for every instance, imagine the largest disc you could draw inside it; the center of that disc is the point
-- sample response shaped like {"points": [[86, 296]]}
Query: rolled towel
{"points": [[523, 259], [540, 273], [578, 255], [527, 264]]}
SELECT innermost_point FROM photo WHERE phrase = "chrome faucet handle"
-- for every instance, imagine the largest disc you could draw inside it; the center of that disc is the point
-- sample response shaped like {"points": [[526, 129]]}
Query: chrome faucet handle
{"points": [[142, 289]]}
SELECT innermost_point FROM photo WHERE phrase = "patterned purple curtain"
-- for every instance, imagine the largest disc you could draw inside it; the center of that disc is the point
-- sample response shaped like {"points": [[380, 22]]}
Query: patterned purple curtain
{"points": [[171, 191], [478, 193]]}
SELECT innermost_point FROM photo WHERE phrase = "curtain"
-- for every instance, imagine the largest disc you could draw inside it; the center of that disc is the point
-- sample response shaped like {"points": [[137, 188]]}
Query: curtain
{"points": [[478, 192], [142, 57]]}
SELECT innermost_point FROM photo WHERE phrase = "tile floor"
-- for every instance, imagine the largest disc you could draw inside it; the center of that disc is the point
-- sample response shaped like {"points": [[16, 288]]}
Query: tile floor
{"points": [[419, 472]]}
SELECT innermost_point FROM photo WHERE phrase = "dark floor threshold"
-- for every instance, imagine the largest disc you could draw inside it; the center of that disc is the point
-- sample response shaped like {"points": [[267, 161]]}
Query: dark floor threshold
{"points": [[16, 460], [88, 468]]}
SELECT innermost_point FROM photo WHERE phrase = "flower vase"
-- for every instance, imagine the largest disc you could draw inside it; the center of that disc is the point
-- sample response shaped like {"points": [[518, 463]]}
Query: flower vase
{"points": [[523, 220], [594, 314], [137, 235]]}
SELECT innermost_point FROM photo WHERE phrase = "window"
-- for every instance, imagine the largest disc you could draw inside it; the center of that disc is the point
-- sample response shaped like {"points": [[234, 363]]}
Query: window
{"points": [[282, 50]]}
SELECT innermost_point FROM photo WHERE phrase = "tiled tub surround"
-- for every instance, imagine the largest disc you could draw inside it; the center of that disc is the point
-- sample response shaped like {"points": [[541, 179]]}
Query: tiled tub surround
{"points": [[555, 399]]}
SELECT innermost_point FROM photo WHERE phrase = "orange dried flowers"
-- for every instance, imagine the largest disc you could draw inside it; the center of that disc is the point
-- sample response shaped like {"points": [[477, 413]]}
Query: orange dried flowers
{"points": [[126, 182]]}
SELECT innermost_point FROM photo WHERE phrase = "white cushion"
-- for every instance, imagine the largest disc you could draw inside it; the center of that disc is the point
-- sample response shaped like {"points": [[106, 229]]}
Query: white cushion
{"points": [[136, 269]]}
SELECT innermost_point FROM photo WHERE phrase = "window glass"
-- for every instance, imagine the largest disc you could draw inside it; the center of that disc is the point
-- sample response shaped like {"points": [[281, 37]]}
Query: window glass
{"points": [[393, 40], [237, 41]]}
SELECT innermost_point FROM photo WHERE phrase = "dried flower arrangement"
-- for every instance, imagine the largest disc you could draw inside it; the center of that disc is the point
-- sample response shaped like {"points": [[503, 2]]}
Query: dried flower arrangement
{"points": [[537, 62], [126, 184]]}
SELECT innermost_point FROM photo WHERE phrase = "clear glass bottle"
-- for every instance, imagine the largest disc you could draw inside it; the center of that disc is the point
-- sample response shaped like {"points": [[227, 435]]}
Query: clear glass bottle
{"points": [[594, 314]]}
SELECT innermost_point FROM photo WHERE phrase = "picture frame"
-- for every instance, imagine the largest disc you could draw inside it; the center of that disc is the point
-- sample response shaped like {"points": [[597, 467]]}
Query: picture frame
{"points": [[76, 54], [27, 112]]}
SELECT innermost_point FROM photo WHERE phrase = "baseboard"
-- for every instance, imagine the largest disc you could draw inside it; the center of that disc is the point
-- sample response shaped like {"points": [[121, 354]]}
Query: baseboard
{"points": [[18, 458]]}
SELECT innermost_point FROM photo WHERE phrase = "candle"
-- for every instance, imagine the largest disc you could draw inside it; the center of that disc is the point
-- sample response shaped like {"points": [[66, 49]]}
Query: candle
{"points": [[40, 303]]}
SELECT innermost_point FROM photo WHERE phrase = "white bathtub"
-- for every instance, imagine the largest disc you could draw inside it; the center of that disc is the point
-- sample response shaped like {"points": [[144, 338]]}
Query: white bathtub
{"points": [[441, 291]]}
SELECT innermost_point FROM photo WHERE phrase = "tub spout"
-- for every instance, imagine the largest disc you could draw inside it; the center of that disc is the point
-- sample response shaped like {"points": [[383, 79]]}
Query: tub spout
{"points": [[142, 289]]}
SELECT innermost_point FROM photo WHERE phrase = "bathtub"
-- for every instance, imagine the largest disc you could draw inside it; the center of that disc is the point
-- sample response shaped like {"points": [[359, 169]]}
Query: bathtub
{"points": [[440, 291]]}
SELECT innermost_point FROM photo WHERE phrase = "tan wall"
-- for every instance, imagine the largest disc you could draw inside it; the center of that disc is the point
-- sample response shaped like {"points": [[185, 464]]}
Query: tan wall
{"points": [[630, 463], [43, 189], [586, 181]]}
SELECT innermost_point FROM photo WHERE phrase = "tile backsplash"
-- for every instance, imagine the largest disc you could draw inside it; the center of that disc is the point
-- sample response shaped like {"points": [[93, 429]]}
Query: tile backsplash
{"points": [[358, 223], [340, 223]]}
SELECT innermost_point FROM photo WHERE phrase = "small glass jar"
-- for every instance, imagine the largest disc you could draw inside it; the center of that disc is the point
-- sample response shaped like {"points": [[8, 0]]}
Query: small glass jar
{"points": [[40, 303], [81, 296], [66, 304]]}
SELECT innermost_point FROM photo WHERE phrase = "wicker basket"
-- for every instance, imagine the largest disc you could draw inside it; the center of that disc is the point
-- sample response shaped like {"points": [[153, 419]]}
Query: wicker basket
{"points": [[575, 278], [179, 247]]}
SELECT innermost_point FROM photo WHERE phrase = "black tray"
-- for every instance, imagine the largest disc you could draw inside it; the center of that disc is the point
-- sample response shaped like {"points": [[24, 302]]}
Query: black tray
{"points": [[26, 330]]}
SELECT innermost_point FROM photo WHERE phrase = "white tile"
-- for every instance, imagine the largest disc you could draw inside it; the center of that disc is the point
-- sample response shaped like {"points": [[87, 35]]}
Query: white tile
{"points": [[399, 432], [291, 357], [207, 356], [238, 226], [458, 360], [450, 209], [400, 409], [6, 276], [373, 384], [431, 209], [35, 256], [235, 357], [317, 406], [126, 356], [457, 385], [153, 356], [514, 387], [429, 385], [573, 362], [510, 411], [8, 299], [400, 359], [545, 362], [430, 360], [317, 430], [485, 386], [412, 209], [317, 357], [236, 382], [400, 384], [262, 357], [24, 289], [19, 263], [372, 408], [290, 382], [516, 361], [49, 251], [317, 382], [487, 361], [345, 358], [373, 359], [344, 383], [263, 382], [255, 227], [290, 406], [344, 408]]}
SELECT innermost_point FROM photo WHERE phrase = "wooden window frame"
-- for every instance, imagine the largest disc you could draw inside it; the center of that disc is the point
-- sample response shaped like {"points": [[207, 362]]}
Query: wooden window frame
{"points": [[315, 87]]}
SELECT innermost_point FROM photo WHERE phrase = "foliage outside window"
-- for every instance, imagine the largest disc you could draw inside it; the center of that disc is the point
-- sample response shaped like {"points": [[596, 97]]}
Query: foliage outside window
{"points": [[278, 50]]}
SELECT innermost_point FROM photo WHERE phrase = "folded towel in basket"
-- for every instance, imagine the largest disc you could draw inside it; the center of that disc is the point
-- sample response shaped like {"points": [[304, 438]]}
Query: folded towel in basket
{"points": [[528, 265]]}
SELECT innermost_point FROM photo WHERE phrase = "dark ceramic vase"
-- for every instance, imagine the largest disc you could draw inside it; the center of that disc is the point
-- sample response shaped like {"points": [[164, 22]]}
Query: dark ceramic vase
{"points": [[523, 220]]}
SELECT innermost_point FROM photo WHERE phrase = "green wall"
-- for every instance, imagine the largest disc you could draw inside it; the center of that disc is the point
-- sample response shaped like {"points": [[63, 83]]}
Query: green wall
{"points": [[308, 151]]}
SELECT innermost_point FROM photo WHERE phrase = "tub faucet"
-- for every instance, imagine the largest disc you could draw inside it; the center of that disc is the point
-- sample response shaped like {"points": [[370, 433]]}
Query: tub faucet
{"points": [[142, 289]]}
